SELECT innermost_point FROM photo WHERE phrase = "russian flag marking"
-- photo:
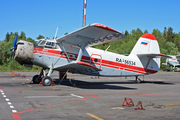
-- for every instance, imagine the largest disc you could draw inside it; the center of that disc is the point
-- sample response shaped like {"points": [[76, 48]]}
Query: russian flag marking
{"points": [[144, 43]]}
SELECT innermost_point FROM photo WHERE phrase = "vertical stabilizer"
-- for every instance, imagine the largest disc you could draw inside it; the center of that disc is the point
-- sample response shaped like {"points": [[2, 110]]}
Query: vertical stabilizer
{"points": [[147, 49], [147, 43]]}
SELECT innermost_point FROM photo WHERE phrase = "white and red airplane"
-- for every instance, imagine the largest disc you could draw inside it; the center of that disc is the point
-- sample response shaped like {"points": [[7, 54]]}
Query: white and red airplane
{"points": [[173, 62], [73, 52]]}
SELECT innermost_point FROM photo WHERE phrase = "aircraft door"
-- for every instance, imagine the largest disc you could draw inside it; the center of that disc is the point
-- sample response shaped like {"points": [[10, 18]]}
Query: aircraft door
{"points": [[97, 60]]}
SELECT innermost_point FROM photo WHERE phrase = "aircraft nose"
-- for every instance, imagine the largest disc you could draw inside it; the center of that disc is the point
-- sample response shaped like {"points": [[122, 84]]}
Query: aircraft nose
{"points": [[24, 52]]}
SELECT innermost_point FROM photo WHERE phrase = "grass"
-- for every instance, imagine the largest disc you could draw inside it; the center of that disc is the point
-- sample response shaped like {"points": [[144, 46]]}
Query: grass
{"points": [[19, 69]]}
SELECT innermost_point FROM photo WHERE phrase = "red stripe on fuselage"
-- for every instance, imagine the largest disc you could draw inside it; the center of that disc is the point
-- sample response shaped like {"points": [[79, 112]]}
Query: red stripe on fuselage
{"points": [[105, 63]]}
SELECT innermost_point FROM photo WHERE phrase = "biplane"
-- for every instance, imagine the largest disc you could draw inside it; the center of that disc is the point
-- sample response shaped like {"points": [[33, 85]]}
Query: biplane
{"points": [[173, 62], [73, 52]]}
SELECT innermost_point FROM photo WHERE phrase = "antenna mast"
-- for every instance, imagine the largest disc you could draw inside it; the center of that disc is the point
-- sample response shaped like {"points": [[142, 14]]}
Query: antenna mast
{"points": [[56, 33], [84, 14]]}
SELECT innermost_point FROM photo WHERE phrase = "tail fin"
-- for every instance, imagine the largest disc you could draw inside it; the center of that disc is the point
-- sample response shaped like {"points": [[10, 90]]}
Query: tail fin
{"points": [[147, 43], [147, 49]]}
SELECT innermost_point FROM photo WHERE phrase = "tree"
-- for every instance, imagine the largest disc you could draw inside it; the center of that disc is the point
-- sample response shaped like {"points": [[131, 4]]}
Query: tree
{"points": [[22, 36], [160, 40], [177, 40], [164, 33], [126, 33], [145, 31], [136, 34], [30, 40], [40, 37], [7, 37], [170, 34]]}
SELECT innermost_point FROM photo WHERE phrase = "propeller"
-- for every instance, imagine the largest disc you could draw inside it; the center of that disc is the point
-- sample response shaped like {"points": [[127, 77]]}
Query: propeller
{"points": [[13, 47]]}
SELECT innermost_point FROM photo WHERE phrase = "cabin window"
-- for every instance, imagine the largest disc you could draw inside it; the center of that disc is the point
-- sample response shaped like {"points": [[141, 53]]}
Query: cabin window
{"points": [[49, 44], [95, 60], [73, 56], [67, 55], [62, 53]]}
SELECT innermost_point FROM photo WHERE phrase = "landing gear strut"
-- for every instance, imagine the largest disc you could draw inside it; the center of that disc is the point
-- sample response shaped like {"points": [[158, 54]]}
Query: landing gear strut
{"points": [[137, 80], [44, 78]]}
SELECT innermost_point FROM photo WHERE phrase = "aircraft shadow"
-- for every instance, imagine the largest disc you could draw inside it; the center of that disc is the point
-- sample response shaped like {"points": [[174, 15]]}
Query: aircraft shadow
{"points": [[104, 85], [153, 82], [92, 85]]}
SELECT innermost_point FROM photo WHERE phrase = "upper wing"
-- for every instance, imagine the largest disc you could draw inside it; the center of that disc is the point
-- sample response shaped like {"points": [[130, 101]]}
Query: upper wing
{"points": [[92, 34]]}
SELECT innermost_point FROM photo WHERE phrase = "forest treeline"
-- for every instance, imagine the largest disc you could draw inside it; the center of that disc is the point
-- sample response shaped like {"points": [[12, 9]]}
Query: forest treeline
{"points": [[169, 43]]}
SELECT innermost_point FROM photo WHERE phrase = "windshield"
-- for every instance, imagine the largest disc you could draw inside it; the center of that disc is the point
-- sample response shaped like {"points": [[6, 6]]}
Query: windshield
{"points": [[46, 43], [38, 41], [42, 43]]}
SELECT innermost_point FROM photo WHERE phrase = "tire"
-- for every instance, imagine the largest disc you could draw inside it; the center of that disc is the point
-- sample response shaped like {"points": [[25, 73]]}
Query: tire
{"points": [[138, 80], [36, 80], [46, 81]]}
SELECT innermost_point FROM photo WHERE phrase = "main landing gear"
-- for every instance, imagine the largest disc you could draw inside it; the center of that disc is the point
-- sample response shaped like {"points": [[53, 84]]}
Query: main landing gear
{"points": [[46, 81], [44, 78], [137, 80]]}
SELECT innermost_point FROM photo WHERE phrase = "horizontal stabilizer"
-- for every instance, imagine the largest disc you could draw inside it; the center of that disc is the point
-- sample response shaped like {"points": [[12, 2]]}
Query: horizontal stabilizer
{"points": [[78, 67], [177, 65], [153, 55]]}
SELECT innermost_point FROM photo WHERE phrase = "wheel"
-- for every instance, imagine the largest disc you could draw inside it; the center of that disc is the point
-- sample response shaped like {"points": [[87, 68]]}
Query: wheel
{"points": [[138, 80], [46, 81], [36, 80]]}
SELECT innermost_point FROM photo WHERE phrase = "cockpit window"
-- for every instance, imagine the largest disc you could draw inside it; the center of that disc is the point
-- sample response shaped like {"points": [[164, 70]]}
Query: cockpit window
{"points": [[50, 44], [38, 41], [47, 43], [42, 43]]}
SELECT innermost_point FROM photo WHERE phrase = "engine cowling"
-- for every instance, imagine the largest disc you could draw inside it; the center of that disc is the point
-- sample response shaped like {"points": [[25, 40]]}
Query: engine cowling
{"points": [[24, 52]]}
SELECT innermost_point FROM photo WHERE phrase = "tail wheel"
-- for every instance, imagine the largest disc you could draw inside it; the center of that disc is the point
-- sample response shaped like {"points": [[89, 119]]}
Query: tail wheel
{"points": [[36, 80], [138, 80], [46, 81]]}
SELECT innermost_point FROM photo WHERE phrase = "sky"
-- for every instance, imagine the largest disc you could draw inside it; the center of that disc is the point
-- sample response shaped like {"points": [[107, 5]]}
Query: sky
{"points": [[42, 17]]}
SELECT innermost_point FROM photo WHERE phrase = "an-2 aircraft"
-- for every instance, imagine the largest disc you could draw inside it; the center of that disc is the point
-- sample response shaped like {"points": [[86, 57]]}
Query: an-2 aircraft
{"points": [[73, 52], [173, 62]]}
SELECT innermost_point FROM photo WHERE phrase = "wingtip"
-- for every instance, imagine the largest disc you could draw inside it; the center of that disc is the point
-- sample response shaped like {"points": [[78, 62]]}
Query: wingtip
{"points": [[103, 27]]}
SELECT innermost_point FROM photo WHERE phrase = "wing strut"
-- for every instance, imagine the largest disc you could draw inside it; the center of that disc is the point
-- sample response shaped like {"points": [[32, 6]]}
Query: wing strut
{"points": [[81, 50], [65, 53]]}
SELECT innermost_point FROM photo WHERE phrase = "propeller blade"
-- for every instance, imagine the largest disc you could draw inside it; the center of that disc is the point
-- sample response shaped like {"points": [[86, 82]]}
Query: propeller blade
{"points": [[16, 37], [13, 48], [15, 41]]}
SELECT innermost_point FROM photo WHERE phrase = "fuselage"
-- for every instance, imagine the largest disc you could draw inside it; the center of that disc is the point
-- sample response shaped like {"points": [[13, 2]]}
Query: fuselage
{"points": [[57, 55], [111, 64]]}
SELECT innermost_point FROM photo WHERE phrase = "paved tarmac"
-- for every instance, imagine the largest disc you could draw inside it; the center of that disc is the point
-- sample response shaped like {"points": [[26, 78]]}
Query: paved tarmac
{"points": [[89, 98]]}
